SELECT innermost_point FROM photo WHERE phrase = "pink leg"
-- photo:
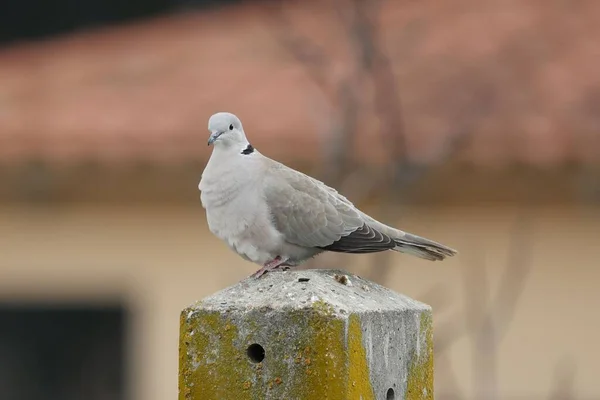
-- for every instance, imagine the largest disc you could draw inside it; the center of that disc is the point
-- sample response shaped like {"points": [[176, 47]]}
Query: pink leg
{"points": [[269, 266]]}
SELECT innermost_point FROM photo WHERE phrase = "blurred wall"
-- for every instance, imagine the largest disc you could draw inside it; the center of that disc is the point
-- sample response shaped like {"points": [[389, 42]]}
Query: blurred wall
{"points": [[160, 259]]}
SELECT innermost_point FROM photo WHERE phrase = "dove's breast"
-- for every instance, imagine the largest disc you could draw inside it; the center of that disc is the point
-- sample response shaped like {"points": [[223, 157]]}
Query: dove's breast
{"points": [[237, 214]]}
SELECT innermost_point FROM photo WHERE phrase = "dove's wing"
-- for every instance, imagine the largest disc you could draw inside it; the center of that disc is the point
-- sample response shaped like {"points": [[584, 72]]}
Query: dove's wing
{"points": [[310, 214]]}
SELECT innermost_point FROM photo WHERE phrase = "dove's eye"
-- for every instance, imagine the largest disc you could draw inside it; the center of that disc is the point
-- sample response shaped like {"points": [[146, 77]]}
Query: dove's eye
{"points": [[231, 127]]}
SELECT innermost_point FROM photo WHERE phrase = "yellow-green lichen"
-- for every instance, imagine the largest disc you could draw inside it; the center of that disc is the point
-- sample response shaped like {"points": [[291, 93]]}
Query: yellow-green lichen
{"points": [[209, 363], [184, 373], [359, 382], [322, 307], [308, 356], [420, 372], [320, 362]]}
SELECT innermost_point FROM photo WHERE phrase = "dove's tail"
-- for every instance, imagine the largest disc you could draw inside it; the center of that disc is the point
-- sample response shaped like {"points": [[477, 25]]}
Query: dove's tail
{"points": [[422, 248], [411, 244]]}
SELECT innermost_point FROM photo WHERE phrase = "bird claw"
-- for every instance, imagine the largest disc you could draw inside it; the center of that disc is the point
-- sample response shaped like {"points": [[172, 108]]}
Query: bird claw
{"points": [[272, 265]]}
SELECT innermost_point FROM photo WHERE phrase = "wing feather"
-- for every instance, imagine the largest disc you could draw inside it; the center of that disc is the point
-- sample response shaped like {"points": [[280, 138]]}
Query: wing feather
{"points": [[306, 211], [363, 240]]}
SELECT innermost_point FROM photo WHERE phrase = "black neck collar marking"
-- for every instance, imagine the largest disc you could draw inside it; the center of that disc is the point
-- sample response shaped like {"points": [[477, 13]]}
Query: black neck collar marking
{"points": [[248, 150]]}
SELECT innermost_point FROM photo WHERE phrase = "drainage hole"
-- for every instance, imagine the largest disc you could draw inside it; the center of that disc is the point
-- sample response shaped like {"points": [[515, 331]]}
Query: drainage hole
{"points": [[256, 353], [390, 395]]}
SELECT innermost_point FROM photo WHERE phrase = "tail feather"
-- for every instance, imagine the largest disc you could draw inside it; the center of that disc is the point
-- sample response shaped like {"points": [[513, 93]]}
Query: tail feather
{"points": [[422, 248]]}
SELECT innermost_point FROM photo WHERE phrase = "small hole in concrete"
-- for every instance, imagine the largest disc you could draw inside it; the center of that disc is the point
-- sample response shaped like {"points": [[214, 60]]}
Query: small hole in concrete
{"points": [[390, 395], [256, 353], [303, 279]]}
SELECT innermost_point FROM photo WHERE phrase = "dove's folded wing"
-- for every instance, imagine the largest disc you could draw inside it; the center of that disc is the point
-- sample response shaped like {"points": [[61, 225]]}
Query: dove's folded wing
{"points": [[310, 214]]}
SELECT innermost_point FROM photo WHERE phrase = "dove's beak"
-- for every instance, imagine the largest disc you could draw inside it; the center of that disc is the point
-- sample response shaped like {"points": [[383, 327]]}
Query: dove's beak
{"points": [[214, 136]]}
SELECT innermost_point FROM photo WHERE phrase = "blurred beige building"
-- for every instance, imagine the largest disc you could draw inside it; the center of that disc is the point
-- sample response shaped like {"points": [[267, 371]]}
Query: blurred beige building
{"points": [[103, 140]]}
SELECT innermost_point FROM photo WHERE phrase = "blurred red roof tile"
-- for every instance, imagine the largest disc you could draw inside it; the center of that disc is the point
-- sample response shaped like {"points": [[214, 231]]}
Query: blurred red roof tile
{"points": [[520, 77]]}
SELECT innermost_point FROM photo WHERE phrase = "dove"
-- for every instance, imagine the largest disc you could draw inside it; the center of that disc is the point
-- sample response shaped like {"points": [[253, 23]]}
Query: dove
{"points": [[278, 218]]}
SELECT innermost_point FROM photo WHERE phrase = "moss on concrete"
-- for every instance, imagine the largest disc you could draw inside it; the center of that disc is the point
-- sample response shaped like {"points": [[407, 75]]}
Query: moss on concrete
{"points": [[420, 372], [207, 340], [322, 369], [359, 382], [321, 365]]}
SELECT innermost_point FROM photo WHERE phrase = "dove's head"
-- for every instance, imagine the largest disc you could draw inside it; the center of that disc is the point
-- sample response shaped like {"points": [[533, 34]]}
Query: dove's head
{"points": [[226, 130]]}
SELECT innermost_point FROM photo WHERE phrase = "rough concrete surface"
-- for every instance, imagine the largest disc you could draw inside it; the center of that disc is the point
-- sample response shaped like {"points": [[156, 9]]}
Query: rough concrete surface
{"points": [[314, 334]]}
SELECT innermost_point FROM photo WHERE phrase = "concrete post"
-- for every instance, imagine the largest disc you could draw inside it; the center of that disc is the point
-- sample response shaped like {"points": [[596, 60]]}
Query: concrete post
{"points": [[306, 335]]}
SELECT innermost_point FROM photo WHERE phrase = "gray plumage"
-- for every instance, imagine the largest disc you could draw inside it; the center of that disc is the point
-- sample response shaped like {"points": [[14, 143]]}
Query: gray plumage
{"points": [[266, 211]]}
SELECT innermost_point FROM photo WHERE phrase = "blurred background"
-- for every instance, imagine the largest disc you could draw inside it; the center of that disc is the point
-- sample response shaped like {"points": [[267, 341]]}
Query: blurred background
{"points": [[474, 123]]}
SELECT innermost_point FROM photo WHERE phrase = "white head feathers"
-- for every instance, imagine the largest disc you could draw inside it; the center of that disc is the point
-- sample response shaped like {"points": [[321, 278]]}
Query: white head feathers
{"points": [[226, 131]]}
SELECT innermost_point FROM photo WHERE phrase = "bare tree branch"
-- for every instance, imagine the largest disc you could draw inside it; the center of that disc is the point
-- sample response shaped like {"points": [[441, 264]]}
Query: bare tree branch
{"points": [[488, 321], [450, 380], [476, 310], [306, 52], [513, 281]]}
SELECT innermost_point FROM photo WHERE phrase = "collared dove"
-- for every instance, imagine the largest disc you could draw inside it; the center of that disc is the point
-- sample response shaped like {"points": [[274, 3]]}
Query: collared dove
{"points": [[278, 217]]}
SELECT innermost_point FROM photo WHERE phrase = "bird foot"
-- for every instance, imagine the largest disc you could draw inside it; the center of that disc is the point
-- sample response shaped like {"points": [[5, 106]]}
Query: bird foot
{"points": [[272, 265]]}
